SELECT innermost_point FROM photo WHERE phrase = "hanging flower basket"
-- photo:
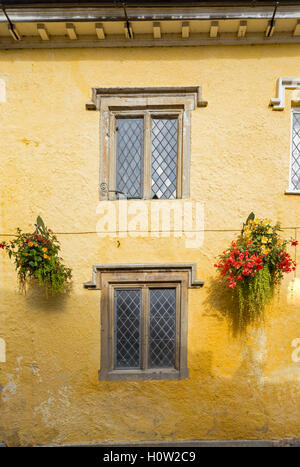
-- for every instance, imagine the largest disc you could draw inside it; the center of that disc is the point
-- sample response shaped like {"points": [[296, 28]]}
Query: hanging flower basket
{"points": [[37, 258], [253, 267]]}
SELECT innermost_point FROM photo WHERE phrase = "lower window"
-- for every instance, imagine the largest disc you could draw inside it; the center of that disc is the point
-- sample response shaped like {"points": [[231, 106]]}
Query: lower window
{"points": [[144, 328]]}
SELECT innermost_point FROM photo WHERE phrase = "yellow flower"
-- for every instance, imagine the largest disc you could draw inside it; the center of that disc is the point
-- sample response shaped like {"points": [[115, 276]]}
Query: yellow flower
{"points": [[46, 256], [256, 221], [44, 249], [269, 231], [264, 240], [250, 221]]}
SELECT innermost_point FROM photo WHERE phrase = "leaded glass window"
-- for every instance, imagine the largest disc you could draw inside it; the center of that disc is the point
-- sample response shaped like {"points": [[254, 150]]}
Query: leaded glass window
{"points": [[129, 160], [295, 155], [127, 328], [144, 322], [162, 328], [164, 158], [147, 155], [144, 329]]}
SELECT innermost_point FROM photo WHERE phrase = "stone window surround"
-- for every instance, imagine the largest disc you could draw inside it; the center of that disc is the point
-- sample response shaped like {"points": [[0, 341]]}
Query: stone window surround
{"points": [[278, 103], [112, 102], [108, 277]]}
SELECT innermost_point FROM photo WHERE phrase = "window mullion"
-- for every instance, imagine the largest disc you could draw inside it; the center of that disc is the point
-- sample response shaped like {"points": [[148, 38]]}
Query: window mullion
{"points": [[113, 160], [147, 156], [111, 328], [145, 327], [178, 328]]}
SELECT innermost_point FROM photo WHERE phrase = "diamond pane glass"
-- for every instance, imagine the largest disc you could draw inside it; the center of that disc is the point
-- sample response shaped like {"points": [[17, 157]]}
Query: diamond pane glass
{"points": [[162, 328], [127, 332], [129, 161], [295, 169], [164, 158]]}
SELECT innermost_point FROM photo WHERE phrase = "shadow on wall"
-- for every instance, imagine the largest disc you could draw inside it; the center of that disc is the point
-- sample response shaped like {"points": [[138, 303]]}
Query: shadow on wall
{"points": [[36, 299], [248, 405], [220, 298]]}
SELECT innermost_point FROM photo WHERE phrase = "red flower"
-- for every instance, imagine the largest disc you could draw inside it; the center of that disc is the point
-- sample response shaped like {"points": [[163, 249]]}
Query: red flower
{"points": [[295, 243], [2, 245], [246, 272]]}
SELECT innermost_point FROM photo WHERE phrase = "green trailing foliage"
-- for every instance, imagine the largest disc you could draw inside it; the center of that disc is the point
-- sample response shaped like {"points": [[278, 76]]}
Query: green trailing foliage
{"points": [[37, 259], [253, 295], [252, 269]]}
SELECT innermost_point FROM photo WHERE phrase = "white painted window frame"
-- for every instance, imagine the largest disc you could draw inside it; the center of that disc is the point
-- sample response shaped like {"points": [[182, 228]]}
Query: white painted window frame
{"points": [[291, 190]]}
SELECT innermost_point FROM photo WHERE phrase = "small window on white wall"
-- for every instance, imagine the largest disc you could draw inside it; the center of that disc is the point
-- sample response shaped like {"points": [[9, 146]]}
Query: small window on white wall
{"points": [[294, 183]]}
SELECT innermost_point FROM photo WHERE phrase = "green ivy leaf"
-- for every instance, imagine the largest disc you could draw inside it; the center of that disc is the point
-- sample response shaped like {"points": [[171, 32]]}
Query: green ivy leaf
{"points": [[250, 217], [41, 226]]}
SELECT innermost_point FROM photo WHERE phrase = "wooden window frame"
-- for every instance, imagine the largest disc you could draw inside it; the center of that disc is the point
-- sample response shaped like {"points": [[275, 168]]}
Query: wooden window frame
{"points": [[148, 115], [144, 281]]}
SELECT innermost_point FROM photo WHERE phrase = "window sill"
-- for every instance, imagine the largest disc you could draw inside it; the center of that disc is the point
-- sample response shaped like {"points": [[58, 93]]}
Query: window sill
{"points": [[144, 199], [291, 192], [139, 375]]}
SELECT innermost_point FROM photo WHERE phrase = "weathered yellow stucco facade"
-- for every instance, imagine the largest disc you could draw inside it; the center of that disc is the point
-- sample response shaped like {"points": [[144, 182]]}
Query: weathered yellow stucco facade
{"points": [[239, 387]]}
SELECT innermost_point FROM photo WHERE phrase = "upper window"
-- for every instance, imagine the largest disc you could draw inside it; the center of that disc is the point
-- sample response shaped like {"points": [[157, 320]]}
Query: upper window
{"points": [[148, 154], [295, 153], [145, 141]]}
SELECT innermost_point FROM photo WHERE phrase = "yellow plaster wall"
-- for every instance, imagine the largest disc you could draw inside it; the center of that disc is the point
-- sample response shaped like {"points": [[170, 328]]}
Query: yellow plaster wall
{"points": [[238, 388]]}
